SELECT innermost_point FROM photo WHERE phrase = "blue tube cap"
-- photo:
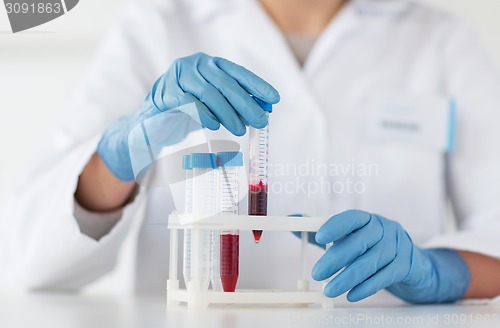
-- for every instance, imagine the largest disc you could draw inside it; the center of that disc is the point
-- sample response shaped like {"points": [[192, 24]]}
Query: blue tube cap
{"points": [[203, 161], [264, 105], [230, 158], [186, 162]]}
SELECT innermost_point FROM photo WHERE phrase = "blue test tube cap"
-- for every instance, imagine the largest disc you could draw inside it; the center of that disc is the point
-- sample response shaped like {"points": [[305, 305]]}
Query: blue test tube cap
{"points": [[230, 158], [203, 161], [264, 105], [186, 162]]}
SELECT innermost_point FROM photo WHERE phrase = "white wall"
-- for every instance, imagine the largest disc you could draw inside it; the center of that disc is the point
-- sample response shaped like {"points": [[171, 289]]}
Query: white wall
{"points": [[40, 69]]}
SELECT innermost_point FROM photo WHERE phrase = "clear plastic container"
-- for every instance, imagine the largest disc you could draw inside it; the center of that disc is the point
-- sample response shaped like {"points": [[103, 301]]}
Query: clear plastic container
{"points": [[259, 153], [204, 205], [188, 209]]}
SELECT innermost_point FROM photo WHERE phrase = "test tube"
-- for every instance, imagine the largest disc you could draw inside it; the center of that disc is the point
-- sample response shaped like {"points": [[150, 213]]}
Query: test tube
{"points": [[230, 164], [188, 209], [204, 205], [257, 190], [215, 278]]}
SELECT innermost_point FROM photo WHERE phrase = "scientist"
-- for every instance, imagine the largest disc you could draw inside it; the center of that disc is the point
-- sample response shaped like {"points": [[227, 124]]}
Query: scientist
{"points": [[390, 84]]}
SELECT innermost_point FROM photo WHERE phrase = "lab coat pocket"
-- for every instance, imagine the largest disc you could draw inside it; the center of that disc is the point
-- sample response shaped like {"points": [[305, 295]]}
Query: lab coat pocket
{"points": [[426, 121]]}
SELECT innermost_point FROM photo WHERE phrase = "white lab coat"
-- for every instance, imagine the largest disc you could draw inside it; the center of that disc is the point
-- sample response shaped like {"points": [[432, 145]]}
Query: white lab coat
{"points": [[373, 50]]}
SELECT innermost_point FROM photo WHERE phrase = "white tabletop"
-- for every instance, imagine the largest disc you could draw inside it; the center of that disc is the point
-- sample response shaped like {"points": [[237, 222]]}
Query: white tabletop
{"points": [[81, 311]]}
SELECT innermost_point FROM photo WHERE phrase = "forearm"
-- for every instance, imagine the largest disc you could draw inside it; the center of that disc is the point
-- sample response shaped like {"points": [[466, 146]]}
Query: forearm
{"points": [[99, 190], [484, 275]]}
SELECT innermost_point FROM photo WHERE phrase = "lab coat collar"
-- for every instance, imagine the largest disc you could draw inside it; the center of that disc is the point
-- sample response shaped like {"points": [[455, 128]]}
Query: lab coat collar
{"points": [[205, 9], [381, 7], [347, 22]]}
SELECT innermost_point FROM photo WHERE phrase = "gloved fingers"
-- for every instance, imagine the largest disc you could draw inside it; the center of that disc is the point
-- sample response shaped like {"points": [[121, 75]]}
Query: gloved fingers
{"points": [[394, 272], [213, 99], [199, 113], [244, 121], [156, 98], [238, 97], [163, 99], [330, 263], [398, 241], [384, 278], [167, 94], [341, 225], [359, 270], [178, 88], [249, 81], [347, 250]]}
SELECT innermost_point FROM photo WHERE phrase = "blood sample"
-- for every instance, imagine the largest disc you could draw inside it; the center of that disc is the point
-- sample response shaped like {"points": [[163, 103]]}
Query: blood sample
{"points": [[257, 204], [257, 190], [229, 166], [229, 261]]}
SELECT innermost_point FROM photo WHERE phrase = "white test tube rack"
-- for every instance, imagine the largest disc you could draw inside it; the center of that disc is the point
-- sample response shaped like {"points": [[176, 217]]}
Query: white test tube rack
{"points": [[202, 299]]}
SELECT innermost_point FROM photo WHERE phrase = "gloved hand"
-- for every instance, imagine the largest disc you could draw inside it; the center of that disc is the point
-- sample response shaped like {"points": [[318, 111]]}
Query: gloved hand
{"points": [[196, 91], [379, 254]]}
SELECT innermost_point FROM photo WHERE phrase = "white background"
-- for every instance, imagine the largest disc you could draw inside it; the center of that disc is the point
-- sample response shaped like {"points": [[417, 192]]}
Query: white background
{"points": [[40, 69]]}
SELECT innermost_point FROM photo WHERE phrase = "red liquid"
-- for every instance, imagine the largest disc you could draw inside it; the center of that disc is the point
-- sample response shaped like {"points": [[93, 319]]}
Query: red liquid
{"points": [[229, 261], [257, 204]]}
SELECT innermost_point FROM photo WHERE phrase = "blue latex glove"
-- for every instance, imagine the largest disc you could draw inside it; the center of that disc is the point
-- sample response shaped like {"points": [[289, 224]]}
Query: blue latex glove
{"points": [[208, 91], [378, 253]]}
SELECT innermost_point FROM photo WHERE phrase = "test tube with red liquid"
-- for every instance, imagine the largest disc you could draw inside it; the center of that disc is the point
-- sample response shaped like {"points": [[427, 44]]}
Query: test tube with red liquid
{"points": [[259, 152], [229, 165]]}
